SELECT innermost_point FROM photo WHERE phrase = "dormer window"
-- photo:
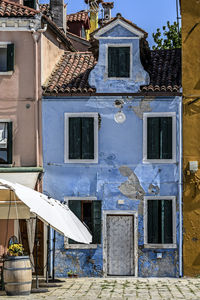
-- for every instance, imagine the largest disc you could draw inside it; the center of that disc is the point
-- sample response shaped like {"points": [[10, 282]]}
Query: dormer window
{"points": [[119, 61]]}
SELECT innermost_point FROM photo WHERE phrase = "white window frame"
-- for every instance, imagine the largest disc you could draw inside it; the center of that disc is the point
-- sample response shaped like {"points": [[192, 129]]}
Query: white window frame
{"points": [[131, 61], [4, 45], [79, 246], [159, 114], [66, 138], [160, 246]]}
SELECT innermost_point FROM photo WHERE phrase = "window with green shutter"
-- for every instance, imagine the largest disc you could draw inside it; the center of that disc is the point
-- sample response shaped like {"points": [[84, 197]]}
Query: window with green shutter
{"points": [[5, 142], [159, 139], [6, 57], [81, 137], [119, 62], [88, 212], [160, 220]]}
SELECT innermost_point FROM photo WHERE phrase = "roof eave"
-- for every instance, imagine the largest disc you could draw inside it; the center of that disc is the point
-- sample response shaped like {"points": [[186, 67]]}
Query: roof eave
{"points": [[139, 94]]}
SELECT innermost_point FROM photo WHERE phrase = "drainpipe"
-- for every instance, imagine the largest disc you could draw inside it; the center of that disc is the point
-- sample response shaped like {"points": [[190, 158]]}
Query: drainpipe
{"points": [[36, 35], [180, 192]]}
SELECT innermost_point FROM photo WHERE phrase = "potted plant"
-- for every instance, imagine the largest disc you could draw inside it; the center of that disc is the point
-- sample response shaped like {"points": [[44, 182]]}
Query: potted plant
{"points": [[15, 250], [17, 271], [70, 273]]}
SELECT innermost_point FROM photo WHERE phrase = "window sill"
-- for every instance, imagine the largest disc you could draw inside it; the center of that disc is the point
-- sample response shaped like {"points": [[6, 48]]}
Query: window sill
{"points": [[118, 78], [160, 246], [81, 161], [159, 161], [81, 246], [6, 73]]}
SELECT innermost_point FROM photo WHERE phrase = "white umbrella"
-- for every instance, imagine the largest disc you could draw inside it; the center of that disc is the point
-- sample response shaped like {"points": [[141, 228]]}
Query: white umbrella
{"points": [[51, 212]]}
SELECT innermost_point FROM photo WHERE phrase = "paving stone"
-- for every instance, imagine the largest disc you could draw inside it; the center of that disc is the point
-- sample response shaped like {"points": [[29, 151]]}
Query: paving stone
{"points": [[120, 289]]}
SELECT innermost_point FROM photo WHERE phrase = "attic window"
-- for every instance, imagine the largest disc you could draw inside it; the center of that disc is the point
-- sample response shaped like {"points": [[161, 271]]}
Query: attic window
{"points": [[118, 62]]}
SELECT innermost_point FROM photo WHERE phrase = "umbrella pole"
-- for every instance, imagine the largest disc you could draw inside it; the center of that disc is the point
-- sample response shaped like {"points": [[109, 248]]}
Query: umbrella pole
{"points": [[54, 249], [48, 255], [36, 259]]}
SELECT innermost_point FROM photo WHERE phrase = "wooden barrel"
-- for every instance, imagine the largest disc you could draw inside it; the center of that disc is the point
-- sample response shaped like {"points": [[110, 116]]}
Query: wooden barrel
{"points": [[17, 273]]}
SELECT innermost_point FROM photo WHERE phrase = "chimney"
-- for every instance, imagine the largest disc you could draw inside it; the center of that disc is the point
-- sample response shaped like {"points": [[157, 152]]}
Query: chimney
{"points": [[107, 6], [58, 11]]}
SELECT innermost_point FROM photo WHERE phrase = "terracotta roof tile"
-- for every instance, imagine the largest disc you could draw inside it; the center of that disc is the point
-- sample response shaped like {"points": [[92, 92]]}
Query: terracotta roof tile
{"points": [[108, 4], [71, 74], [165, 71], [81, 16], [12, 9]]}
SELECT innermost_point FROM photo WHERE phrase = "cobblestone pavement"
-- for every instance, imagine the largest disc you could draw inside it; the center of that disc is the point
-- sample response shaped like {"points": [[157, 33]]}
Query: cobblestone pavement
{"points": [[120, 288]]}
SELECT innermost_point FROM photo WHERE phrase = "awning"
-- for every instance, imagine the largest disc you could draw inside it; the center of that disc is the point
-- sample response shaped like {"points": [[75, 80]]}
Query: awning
{"points": [[51, 212]]}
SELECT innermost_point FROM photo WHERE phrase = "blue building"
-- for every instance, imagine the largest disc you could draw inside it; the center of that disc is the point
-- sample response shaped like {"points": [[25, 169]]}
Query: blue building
{"points": [[112, 151]]}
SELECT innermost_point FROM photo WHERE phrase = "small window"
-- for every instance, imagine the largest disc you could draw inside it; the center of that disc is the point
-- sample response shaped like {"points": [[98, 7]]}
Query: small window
{"points": [[5, 142], [160, 221], [6, 58], [119, 62], [81, 137], [159, 137], [30, 3], [89, 212]]}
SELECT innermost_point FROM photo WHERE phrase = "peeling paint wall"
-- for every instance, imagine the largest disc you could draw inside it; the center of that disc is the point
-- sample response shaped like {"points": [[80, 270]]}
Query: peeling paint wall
{"points": [[99, 75], [119, 175], [191, 143]]}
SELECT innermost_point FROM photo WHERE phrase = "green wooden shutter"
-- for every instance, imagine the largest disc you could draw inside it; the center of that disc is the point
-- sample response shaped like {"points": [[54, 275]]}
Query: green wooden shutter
{"points": [[113, 62], [153, 221], [75, 206], [124, 62], [87, 138], [10, 57], [96, 219], [153, 138], [75, 138], [166, 138], [10, 138], [168, 222]]}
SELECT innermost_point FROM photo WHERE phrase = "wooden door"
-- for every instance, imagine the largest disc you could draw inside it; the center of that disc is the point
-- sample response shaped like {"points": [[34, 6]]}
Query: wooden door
{"points": [[24, 236], [120, 245]]}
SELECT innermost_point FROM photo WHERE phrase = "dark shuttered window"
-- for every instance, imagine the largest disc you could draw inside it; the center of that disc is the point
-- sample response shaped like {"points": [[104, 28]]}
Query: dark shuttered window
{"points": [[7, 58], [159, 138], [81, 138], [159, 222], [88, 212], [30, 3], [10, 57], [119, 62]]}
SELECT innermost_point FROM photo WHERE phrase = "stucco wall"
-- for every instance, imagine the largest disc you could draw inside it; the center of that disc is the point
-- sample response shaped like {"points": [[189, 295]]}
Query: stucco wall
{"points": [[120, 160], [17, 98], [51, 51], [20, 85], [191, 141]]}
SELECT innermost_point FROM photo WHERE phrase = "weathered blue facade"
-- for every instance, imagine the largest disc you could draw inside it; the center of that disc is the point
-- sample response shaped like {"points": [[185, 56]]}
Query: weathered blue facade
{"points": [[121, 179]]}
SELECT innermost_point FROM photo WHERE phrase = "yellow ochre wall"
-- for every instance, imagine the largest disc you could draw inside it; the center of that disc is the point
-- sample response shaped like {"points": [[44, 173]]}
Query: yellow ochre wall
{"points": [[190, 11]]}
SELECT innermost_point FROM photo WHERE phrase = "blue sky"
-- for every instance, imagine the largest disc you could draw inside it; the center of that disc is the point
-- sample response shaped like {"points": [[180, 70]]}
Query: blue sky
{"points": [[147, 14]]}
